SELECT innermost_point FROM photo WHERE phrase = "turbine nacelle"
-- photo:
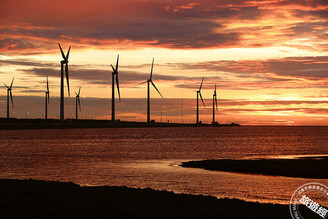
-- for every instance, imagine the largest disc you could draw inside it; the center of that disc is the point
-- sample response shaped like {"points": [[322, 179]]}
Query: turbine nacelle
{"points": [[78, 93], [65, 58], [8, 88], [11, 85]]}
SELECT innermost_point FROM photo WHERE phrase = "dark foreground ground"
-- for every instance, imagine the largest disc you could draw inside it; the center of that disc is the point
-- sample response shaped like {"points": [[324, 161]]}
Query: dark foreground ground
{"points": [[306, 167], [41, 199]]}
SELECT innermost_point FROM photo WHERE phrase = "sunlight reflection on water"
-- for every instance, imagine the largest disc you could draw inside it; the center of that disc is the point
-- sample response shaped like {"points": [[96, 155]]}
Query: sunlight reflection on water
{"points": [[150, 158]]}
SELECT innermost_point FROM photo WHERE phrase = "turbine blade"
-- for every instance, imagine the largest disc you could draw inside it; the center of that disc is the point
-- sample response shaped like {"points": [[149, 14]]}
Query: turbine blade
{"points": [[112, 67], [79, 91], [202, 99], [118, 88], [156, 89], [78, 100], [118, 57], [47, 84], [69, 49], [11, 98], [151, 71], [144, 82], [76, 93], [48, 98], [201, 84], [12, 83], [61, 50], [67, 78], [6, 85]]}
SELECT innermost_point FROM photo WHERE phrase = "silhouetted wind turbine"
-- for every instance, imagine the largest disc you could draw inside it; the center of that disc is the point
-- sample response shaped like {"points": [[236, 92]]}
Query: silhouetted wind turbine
{"points": [[63, 62], [9, 93], [115, 73], [215, 104], [47, 101], [150, 80], [77, 103], [199, 94]]}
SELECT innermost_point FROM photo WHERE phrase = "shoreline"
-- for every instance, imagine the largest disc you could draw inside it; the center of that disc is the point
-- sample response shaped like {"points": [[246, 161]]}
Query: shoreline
{"points": [[302, 167], [14, 124], [34, 198]]}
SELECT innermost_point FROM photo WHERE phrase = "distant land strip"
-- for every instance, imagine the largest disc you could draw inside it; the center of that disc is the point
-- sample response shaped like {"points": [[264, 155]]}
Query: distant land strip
{"points": [[6, 124], [304, 167]]}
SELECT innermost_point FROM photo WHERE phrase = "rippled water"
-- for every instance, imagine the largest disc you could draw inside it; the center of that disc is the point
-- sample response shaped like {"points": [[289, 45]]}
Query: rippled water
{"points": [[149, 157]]}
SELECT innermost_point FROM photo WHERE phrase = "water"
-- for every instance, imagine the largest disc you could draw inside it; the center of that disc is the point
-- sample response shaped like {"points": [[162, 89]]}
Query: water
{"points": [[149, 157]]}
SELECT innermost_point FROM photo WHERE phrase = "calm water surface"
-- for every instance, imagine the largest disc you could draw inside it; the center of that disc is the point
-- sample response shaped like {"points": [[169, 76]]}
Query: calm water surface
{"points": [[149, 157]]}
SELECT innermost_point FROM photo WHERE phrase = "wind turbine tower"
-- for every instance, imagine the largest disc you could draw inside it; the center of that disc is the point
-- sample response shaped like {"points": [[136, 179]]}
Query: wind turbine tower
{"points": [[9, 94], [63, 62], [150, 80], [200, 95], [47, 100], [215, 105], [77, 104], [115, 78]]}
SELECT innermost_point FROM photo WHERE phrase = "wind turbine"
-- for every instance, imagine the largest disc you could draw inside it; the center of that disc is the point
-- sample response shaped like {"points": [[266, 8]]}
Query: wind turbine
{"points": [[115, 73], [47, 101], [199, 94], [150, 80], [77, 102], [9, 93], [63, 62], [215, 105]]}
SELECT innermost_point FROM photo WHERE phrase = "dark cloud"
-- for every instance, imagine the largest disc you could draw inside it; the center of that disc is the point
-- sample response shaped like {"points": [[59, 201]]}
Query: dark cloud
{"points": [[148, 22], [25, 62], [15, 44], [166, 32], [323, 14], [306, 67], [103, 77], [33, 25], [93, 75]]}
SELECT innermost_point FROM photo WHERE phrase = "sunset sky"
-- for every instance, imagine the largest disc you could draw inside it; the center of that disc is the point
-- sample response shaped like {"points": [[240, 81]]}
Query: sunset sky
{"points": [[268, 58]]}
